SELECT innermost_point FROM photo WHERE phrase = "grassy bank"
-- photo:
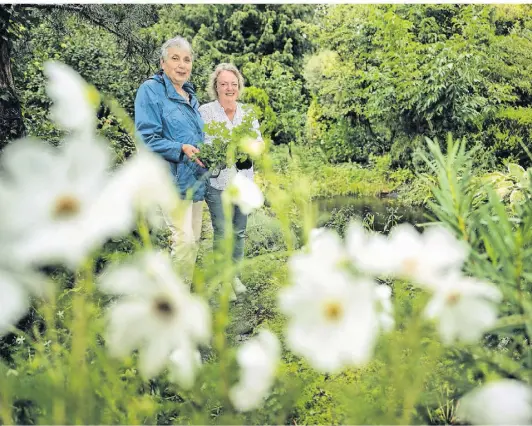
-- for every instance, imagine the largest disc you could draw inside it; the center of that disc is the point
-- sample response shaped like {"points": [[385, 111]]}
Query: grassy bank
{"points": [[327, 180]]}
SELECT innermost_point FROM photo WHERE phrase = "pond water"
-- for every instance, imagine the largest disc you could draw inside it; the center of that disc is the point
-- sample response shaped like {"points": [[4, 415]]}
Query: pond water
{"points": [[380, 213]]}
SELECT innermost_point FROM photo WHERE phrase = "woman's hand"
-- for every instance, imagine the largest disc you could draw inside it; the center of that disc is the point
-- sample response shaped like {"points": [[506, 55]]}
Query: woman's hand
{"points": [[191, 151]]}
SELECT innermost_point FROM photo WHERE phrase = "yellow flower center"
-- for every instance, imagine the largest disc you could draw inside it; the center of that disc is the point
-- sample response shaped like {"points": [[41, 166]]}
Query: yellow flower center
{"points": [[333, 311], [453, 298], [66, 206], [410, 266]]}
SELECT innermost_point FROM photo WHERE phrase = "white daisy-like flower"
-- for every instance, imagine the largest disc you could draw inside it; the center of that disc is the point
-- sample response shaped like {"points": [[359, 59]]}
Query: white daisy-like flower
{"points": [[156, 313], [464, 308], [48, 196], [243, 192], [74, 100], [332, 319], [253, 147], [504, 402], [325, 249], [257, 359], [422, 258], [184, 365], [143, 184], [369, 251]]}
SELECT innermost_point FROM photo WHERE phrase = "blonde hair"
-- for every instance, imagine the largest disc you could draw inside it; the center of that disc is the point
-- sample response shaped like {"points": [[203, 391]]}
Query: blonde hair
{"points": [[213, 79]]}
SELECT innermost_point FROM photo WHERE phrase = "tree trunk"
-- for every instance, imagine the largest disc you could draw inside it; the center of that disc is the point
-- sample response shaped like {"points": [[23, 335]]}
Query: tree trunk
{"points": [[11, 123]]}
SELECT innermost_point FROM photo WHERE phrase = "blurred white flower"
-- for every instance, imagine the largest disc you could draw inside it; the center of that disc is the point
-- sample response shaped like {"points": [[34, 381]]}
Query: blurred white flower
{"points": [[463, 307], [14, 302], [332, 319], [243, 192], [253, 147], [143, 184], [184, 365], [324, 250], [428, 256], [47, 197], [406, 253], [157, 314], [60, 204], [257, 359], [74, 101], [370, 252], [504, 402]]}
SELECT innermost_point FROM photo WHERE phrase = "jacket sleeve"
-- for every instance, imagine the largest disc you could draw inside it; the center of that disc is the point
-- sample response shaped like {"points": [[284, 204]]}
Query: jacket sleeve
{"points": [[148, 121]]}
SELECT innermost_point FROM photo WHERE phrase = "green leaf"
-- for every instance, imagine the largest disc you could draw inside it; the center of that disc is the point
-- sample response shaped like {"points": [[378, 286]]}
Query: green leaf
{"points": [[517, 196], [515, 171]]}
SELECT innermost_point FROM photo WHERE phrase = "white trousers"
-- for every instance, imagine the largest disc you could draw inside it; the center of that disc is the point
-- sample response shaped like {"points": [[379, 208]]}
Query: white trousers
{"points": [[186, 233]]}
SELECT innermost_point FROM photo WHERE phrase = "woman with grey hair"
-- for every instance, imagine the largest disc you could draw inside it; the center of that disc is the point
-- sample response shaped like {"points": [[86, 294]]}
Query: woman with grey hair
{"points": [[225, 85], [168, 119]]}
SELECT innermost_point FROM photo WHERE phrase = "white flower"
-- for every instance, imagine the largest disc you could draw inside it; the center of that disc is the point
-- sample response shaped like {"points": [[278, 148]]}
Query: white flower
{"points": [[332, 318], [504, 402], [325, 250], [67, 204], [406, 253], [156, 314], [244, 193], [258, 359], [142, 184], [74, 100], [253, 147], [48, 198], [184, 365], [464, 308], [14, 302], [370, 252]]}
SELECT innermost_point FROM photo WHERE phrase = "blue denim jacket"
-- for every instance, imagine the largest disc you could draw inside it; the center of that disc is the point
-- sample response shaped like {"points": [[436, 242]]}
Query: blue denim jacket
{"points": [[166, 122]]}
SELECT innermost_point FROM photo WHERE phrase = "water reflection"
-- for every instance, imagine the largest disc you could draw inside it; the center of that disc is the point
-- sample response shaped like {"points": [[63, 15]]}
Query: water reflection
{"points": [[380, 214]]}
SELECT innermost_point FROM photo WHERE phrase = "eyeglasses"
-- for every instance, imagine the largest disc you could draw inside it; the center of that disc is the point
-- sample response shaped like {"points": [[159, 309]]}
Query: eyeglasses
{"points": [[226, 85]]}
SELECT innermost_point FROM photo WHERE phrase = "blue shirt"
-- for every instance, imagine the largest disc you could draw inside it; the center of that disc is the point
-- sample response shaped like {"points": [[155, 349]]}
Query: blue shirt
{"points": [[166, 121]]}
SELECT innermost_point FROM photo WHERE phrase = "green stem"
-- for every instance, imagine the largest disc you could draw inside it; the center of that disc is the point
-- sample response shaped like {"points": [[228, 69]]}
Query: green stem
{"points": [[79, 374], [144, 232]]}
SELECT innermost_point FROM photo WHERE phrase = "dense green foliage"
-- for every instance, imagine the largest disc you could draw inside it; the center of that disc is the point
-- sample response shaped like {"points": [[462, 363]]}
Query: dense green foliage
{"points": [[381, 78], [389, 75]]}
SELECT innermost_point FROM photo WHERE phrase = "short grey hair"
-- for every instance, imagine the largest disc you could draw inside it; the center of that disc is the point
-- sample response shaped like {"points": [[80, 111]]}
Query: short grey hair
{"points": [[178, 42], [213, 79]]}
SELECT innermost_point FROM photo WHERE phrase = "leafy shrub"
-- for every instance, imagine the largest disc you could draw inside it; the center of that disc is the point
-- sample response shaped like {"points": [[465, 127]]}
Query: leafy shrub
{"points": [[264, 234], [509, 134]]}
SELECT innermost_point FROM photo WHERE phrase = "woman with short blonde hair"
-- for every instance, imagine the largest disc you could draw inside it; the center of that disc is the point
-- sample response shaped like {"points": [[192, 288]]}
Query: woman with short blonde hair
{"points": [[225, 86], [213, 79]]}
